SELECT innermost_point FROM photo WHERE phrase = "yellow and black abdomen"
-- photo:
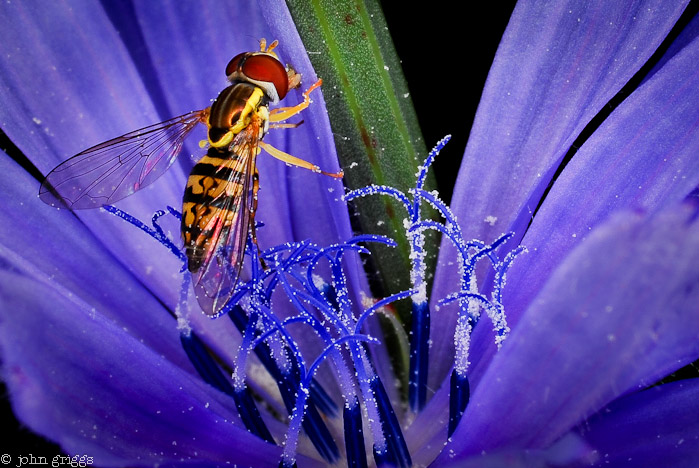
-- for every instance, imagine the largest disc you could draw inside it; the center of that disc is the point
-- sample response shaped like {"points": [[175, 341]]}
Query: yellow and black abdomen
{"points": [[210, 204], [214, 202]]}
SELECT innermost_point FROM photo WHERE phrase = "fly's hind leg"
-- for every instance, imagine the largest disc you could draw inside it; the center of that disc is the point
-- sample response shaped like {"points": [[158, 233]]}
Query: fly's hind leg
{"points": [[253, 210], [298, 162], [282, 113]]}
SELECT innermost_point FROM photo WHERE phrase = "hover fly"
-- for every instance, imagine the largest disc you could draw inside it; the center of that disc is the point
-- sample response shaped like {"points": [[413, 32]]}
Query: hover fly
{"points": [[219, 202]]}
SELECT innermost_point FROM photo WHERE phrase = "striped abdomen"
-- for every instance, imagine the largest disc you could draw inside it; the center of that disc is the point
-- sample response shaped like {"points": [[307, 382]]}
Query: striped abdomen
{"points": [[216, 211], [212, 204]]}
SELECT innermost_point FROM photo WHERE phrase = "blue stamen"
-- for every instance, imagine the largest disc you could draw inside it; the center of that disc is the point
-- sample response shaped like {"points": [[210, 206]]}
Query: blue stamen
{"points": [[246, 346], [397, 451], [314, 281], [210, 372], [290, 384], [379, 304], [354, 435], [302, 394], [484, 302], [430, 159], [419, 355], [156, 233], [380, 190], [154, 221], [312, 422], [287, 384], [419, 343], [459, 394], [174, 212]]}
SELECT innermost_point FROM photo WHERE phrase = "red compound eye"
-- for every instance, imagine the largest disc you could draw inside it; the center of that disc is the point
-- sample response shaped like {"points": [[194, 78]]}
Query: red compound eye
{"points": [[265, 68], [233, 64]]}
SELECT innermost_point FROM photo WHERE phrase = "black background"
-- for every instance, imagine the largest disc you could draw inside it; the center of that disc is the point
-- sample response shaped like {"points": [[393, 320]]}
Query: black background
{"points": [[446, 53]]}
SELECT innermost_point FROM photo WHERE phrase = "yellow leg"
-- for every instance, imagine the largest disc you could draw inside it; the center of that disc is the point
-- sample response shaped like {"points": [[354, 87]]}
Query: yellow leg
{"points": [[294, 161], [285, 125], [283, 113]]}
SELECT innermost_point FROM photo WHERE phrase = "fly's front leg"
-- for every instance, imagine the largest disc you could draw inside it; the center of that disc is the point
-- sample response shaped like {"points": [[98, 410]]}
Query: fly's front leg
{"points": [[282, 113]]}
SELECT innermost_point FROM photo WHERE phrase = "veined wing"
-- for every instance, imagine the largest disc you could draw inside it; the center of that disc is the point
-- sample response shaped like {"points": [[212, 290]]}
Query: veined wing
{"points": [[217, 217], [119, 167]]}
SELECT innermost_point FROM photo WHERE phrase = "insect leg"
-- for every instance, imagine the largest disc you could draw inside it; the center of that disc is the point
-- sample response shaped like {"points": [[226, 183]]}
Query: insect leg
{"points": [[294, 161], [253, 210], [285, 125], [283, 113]]}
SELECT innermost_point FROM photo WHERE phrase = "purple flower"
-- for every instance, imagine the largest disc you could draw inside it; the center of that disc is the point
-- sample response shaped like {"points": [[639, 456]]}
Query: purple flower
{"points": [[104, 352]]}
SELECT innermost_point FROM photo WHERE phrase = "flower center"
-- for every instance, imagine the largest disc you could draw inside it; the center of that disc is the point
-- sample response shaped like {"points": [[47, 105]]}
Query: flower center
{"points": [[301, 305]]}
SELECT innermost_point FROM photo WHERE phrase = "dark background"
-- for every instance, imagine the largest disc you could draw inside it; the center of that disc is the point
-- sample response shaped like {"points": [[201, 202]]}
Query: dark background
{"points": [[446, 53]]}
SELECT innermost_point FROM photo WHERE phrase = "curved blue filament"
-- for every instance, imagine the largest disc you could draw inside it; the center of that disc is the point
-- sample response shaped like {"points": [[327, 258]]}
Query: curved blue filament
{"points": [[288, 457], [379, 304], [485, 303], [380, 189], [313, 424], [314, 281], [155, 233], [422, 173]]}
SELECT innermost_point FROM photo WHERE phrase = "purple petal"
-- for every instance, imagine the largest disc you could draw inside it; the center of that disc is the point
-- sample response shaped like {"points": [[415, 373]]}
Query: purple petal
{"points": [[618, 314], [189, 46], [569, 451], [556, 67], [644, 156], [56, 248], [68, 83], [82, 381], [655, 427]]}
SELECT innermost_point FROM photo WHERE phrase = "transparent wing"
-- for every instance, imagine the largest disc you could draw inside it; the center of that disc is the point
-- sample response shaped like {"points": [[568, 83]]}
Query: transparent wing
{"points": [[217, 267], [119, 167]]}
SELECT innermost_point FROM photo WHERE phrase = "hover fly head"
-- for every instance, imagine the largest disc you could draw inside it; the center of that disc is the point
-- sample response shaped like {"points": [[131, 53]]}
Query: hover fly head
{"points": [[263, 69]]}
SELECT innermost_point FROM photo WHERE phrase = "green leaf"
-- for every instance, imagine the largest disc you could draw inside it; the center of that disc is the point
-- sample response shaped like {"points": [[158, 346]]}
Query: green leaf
{"points": [[376, 132]]}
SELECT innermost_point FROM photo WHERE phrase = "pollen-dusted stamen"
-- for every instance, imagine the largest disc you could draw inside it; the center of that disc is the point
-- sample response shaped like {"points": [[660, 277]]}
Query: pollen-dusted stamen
{"points": [[470, 301], [314, 282], [155, 232], [292, 377], [419, 343]]}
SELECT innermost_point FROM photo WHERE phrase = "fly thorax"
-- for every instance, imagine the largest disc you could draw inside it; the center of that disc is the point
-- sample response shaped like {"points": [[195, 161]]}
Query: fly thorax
{"points": [[232, 111]]}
